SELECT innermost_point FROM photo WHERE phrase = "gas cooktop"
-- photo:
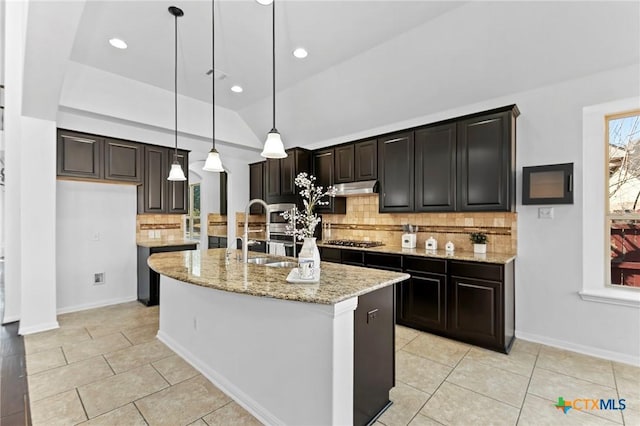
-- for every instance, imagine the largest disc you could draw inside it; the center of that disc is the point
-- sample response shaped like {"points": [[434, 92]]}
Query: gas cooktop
{"points": [[352, 243]]}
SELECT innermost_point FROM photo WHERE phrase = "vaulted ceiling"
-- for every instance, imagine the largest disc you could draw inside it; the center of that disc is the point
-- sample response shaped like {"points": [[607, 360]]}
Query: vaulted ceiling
{"points": [[370, 63]]}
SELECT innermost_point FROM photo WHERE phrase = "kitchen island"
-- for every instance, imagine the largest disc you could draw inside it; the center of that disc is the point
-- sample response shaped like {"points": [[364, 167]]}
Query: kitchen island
{"points": [[289, 353]]}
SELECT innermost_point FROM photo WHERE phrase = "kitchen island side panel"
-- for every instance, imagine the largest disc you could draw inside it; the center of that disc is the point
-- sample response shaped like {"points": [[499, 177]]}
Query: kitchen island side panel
{"points": [[286, 362]]}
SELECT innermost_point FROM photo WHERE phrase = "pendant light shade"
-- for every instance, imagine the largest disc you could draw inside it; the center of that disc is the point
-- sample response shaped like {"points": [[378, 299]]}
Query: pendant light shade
{"points": [[273, 146], [213, 163], [176, 173]]}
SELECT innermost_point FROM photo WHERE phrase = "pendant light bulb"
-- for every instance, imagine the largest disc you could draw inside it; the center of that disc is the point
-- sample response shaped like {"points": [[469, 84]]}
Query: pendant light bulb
{"points": [[176, 173], [213, 163], [273, 146]]}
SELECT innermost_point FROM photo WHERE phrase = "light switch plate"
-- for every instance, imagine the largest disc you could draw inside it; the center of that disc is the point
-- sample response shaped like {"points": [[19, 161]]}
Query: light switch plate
{"points": [[545, 212]]}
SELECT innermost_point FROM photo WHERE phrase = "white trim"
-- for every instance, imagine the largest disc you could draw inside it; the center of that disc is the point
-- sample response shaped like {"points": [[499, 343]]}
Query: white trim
{"points": [[582, 349], [612, 296], [94, 305], [38, 328], [10, 319], [249, 404]]}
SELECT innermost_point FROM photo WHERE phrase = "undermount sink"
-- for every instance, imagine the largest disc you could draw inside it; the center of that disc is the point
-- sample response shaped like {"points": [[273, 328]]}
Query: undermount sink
{"points": [[259, 260], [283, 264]]}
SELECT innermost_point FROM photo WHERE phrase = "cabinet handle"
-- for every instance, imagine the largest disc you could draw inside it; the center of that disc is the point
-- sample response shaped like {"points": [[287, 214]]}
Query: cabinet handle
{"points": [[570, 184]]}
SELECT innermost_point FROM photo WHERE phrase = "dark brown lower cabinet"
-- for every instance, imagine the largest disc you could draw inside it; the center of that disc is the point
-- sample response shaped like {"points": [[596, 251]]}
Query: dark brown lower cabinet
{"points": [[468, 301], [374, 355], [148, 279]]}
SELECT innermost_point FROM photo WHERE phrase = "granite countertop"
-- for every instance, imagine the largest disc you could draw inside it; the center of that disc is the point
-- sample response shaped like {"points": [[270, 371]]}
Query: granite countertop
{"points": [[207, 268], [165, 242], [457, 255]]}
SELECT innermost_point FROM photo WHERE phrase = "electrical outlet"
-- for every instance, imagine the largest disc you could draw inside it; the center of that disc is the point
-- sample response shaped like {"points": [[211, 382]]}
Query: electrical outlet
{"points": [[95, 236], [545, 212], [195, 323], [98, 278], [151, 233]]}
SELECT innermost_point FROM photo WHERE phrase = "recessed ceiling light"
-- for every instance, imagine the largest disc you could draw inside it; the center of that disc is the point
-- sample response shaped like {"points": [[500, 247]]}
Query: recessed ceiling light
{"points": [[300, 53], [265, 2], [118, 43], [237, 89]]}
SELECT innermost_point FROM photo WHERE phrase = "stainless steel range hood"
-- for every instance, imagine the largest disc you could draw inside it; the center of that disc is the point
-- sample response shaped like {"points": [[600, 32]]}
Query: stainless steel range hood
{"points": [[356, 188]]}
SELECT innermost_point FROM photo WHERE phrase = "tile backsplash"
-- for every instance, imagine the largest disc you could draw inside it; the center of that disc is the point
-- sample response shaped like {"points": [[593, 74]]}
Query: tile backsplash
{"points": [[363, 221], [167, 226], [217, 225]]}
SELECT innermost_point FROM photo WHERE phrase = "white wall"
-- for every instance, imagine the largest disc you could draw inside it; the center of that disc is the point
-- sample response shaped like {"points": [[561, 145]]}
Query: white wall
{"points": [[550, 252], [96, 232]]}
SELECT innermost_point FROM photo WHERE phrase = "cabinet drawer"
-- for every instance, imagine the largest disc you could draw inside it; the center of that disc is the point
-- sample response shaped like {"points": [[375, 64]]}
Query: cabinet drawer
{"points": [[383, 260], [182, 247], [329, 254], [476, 270], [352, 257], [425, 265]]}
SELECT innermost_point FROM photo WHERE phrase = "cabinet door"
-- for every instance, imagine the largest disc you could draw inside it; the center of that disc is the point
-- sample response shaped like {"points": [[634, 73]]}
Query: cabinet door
{"points": [[154, 194], [476, 311], [288, 175], [485, 169], [395, 166], [424, 302], [344, 164], [273, 180], [435, 174], [323, 170], [79, 155], [256, 186], [366, 160], [123, 160], [178, 191]]}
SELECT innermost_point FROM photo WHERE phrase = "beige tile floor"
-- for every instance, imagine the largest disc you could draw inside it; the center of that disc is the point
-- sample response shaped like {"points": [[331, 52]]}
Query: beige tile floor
{"points": [[105, 367]]}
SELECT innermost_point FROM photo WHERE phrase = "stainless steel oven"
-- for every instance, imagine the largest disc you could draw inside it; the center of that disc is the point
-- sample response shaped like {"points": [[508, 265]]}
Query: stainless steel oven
{"points": [[278, 228]]}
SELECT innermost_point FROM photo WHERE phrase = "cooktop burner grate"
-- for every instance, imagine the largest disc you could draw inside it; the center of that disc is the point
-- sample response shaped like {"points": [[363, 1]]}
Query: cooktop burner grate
{"points": [[353, 243]]}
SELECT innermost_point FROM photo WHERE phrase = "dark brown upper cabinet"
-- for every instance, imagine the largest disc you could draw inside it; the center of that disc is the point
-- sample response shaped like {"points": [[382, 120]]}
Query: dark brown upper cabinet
{"points": [[281, 175], [152, 195], [123, 160], [486, 161], [366, 160], [395, 168], [178, 191], [256, 185], [344, 167], [157, 194], [324, 171], [435, 168], [80, 155]]}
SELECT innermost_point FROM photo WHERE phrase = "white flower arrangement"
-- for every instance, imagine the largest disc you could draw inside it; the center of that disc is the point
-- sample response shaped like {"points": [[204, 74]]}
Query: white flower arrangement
{"points": [[302, 224]]}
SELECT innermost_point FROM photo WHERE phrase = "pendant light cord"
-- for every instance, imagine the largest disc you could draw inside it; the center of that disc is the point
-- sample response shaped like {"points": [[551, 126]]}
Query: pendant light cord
{"points": [[175, 87], [273, 58], [213, 75]]}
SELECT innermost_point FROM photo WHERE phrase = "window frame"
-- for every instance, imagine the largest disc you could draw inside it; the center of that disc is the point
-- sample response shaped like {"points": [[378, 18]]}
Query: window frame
{"points": [[608, 216]]}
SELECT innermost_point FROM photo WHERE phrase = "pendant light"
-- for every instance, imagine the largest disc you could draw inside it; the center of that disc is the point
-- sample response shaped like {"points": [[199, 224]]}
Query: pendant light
{"points": [[213, 163], [176, 172], [273, 146]]}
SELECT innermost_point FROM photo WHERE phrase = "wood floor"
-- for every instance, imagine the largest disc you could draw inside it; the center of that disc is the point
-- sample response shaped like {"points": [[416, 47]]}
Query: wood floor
{"points": [[14, 394]]}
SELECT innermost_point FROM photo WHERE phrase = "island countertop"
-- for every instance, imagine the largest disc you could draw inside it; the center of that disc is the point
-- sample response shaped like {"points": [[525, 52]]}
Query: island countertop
{"points": [[208, 268]]}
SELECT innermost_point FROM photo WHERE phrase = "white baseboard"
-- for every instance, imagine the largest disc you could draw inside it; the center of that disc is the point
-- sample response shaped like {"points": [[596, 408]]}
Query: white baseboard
{"points": [[583, 349], [38, 328], [100, 304], [248, 403]]}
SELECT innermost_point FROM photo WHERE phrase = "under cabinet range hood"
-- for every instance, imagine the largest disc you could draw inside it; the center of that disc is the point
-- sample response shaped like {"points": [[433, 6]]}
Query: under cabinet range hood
{"points": [[356, 188]]}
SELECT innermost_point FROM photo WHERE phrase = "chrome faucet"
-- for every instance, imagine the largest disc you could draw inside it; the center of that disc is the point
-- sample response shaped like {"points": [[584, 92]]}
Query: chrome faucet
{"points": [[245, 235]]}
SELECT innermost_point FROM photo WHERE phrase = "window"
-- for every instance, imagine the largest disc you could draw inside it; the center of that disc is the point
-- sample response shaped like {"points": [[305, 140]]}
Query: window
{"points": [[623, 207], [193, 219]]}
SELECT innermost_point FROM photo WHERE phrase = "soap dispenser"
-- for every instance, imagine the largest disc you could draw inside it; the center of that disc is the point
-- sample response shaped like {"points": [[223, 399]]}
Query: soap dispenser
{"points": [[431, 244]]}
